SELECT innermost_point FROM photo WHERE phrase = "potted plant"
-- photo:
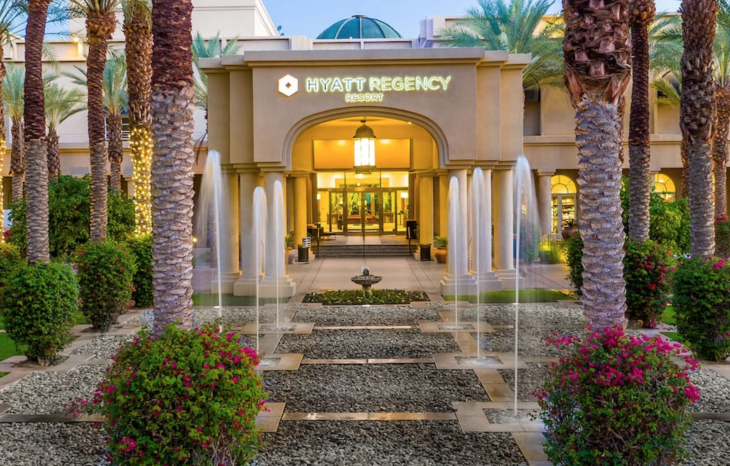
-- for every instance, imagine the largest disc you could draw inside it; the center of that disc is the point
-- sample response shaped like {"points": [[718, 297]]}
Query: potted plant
{"points": [[569, 227], [440, 243], [291, 255]]}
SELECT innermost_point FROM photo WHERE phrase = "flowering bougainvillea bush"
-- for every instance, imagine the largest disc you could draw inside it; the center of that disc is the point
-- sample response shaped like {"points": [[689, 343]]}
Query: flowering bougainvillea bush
{"points": [[702, 305], [187, 397], [106, 274], [647, 267], [616, 400]]}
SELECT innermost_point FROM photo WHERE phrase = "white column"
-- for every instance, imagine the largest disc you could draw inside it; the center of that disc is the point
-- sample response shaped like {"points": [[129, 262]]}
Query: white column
{"points": [[443, 205], [425, 205], [130, 186], [229, 235], [276, 282], [458, 280], [545, 201], [246, 284], [300, 209], [504, 227], [481, 226]]}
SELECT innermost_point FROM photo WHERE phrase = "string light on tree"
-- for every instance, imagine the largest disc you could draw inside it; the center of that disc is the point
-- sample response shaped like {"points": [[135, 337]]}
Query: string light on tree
{"points": [[2, 192], [140, 143]]}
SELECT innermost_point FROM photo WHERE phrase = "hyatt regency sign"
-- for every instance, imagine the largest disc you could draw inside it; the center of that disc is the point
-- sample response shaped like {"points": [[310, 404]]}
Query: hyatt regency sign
{"points": [[360, 89]]}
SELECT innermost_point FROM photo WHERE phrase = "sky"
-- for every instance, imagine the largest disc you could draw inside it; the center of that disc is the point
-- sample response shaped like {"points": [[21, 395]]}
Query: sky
{"points": [[311, 17]]}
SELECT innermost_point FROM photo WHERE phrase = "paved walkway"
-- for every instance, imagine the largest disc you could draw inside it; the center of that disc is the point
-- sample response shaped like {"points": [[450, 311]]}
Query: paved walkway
{"points": [[403, 273]]}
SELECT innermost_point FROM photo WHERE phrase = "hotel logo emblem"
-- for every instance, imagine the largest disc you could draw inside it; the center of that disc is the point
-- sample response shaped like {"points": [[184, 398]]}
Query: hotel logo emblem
{"points": [[288, 85]]}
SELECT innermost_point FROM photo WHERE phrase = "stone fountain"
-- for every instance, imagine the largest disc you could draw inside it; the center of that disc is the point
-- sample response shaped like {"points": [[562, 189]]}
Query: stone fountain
{"points": [[366, 281]]}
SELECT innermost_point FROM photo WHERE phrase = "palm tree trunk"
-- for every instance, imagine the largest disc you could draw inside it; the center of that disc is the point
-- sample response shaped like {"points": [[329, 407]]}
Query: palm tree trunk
{"points": [[54, 155], [719, 150], [599, 176], [116, 150], [684, 154], [139, 82], [639, 140], [34, 115], [3, 150], [697, 113], [99, 28], [172, 166], [17, 159]]}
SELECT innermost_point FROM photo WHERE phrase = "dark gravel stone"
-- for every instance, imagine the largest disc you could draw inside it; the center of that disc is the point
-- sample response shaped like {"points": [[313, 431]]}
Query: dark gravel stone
{"points": [[386, 443], [531, 342], [380, 344], [529, 379], [364, 316], [374, 388]]}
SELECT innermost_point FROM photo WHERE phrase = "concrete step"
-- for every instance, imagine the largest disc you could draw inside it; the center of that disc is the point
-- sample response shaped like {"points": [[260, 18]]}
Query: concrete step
{"points": [[370, 250]]}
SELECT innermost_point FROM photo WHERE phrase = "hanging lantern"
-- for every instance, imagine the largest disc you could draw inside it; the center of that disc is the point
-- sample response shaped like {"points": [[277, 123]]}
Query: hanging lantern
{"points": [[364, 149]]}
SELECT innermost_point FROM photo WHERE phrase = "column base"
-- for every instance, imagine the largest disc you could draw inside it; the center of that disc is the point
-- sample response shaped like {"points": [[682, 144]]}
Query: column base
{"points": [[509, 278], [284, 287], [226, 283], [246, 285], [464, 284], [487, 281], [205, 280]]}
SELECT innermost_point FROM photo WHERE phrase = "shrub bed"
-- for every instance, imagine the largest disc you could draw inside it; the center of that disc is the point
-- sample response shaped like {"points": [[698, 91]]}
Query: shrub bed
{"points": [[574, 260], [9, 260], [357, 297], [141, 249], [702, 305], [616, 400], [647, 267], [38, 306], [106, 279], [187, 397]]}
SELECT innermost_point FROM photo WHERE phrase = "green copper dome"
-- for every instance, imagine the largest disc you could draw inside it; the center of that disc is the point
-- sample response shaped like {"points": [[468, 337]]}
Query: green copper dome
{"points": [[360, 27]]}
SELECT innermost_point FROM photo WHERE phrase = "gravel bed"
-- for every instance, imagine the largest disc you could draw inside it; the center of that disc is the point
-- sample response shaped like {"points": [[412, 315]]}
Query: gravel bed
{"points": [[386, 443], [530, 342], [362, 316], [531, 315], [707, 444], [103, 347], [529, 379], [234, 316], [382, 344], [714, 392], [507, 416], [372, 388], [51, 392], [54, 444]]}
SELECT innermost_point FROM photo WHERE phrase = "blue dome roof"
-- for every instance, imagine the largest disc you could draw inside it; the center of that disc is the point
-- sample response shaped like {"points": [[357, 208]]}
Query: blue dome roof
{"points": [[360, 27]]}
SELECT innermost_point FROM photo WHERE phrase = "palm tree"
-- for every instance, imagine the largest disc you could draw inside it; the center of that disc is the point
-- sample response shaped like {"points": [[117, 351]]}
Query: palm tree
{"points": [[640, 18], [115, 104], [519, 27], [100, 25], [697, 113], [61, 104], [172, 165], [138, 49], [721, 49], [34, 116], [597, 71], [13, 103]]}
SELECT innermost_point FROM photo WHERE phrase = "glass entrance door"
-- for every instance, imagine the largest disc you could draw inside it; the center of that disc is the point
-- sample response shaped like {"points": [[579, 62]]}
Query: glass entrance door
{"points": [[364, 212]]}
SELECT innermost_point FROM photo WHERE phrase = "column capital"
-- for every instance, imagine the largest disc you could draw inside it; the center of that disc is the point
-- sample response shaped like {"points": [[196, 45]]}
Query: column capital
{"points": [[505, 165], [245, 167], [299, 174], [545, 172]]}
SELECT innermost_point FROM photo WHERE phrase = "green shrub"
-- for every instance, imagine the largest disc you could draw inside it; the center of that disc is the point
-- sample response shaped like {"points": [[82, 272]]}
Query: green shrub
{"points": [[551, 251], [9, 260], [69, 207], [616, 400], [574, 260], [106, 280], [702, 305], [357, 297], [141, 249], [647, 267], [722, 237], [38, 306], [189, 397], [529, 241]]}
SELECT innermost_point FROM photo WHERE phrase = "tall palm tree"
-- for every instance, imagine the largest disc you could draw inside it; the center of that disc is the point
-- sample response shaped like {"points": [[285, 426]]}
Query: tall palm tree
{"points": [[116, 104], [597, 71], [61, 104], [640, 18], [172, 165], [138, 49], [518, 27], [100, 25], [697, 113], [721, 49], [34, 115], [211, 48], [13, 103]]}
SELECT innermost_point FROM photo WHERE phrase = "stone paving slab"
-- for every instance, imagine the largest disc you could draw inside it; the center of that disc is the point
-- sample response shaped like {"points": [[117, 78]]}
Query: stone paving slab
{"points": [[451, 361], [281, 362], [531, 446], [286, 328], [369, 417], [472, 418], [447, 327]]}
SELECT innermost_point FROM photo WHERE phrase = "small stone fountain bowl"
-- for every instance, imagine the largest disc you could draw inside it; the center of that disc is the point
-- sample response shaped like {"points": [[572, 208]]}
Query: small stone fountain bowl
{"points": [[366, 281]]}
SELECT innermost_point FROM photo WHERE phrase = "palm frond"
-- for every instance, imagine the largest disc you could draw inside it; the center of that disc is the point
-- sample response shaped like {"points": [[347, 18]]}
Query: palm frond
{"points": [[62, 103], [13, 91], [137, 9], [669, 92], [115, 96]]}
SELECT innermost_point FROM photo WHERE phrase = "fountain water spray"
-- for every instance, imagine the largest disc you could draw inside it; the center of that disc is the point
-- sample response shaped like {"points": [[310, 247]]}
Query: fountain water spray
{"points": [[478, 192], [259, 239], [279, 241], [525, 206], [452, 250]]}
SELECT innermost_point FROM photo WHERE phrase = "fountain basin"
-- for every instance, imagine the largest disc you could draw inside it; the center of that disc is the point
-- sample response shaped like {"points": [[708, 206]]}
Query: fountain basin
{"points": [[366, 281]]}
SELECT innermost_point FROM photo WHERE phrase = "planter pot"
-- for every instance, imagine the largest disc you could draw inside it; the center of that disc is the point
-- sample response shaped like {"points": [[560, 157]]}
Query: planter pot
{"points": [[440, 256], [568, 231]]}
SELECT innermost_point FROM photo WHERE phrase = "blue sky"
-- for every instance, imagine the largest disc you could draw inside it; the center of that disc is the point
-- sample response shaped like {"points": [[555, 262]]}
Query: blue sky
{"points": [[310, 17]]}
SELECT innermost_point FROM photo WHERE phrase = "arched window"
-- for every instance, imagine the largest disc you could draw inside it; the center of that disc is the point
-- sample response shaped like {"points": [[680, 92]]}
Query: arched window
{"points": [[665, 187], [563, 202]]}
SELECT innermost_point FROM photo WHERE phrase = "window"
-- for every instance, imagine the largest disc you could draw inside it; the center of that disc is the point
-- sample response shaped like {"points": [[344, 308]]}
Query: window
{"points": [[563, 202], [665, 187]]}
